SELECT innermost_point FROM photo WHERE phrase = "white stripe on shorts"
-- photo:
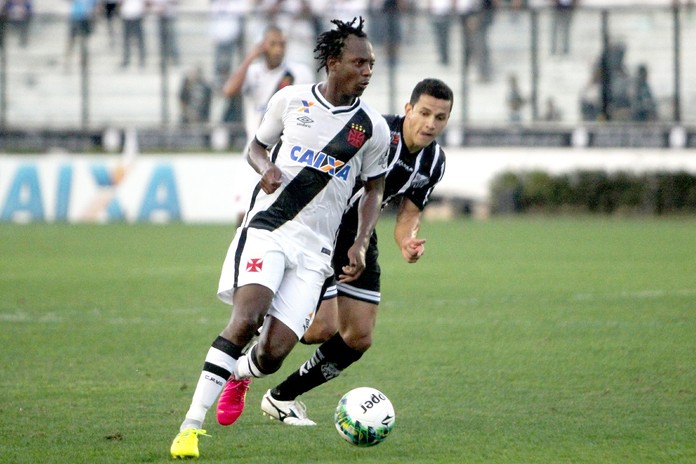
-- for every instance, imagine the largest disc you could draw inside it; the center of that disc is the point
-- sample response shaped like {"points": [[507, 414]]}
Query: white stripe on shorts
{"points": [[331, 292], [358, 293]]}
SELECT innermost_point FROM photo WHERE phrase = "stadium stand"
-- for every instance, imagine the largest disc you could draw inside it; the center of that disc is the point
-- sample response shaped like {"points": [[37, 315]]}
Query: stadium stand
{"points": [[42, 91]]}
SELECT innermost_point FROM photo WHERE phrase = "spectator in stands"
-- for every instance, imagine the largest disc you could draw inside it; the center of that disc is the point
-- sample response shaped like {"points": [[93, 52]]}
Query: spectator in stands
{"points": [[441, 12], [166, 11], [561, 17], [515, 100], [591, 96], [17, 15], [484, 21], [617, 82], [225, 30], [552, 113], [386, 26], [476, 18], [110, 8], [132, 13], [643, 107], [81, 19], [195, 97]]}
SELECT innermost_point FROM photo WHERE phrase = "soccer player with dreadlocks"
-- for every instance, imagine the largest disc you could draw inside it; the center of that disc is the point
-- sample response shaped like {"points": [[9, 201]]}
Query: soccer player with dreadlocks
{"points": [[315, 142]]}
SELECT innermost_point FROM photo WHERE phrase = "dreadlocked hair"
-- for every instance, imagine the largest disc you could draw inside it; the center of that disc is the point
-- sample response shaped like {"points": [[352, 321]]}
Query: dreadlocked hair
{"points": [[330, 43]]}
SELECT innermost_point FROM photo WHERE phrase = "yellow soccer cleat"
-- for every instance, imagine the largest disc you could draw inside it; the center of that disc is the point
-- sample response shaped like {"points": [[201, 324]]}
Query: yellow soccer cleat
{"points": [[185, 444]]}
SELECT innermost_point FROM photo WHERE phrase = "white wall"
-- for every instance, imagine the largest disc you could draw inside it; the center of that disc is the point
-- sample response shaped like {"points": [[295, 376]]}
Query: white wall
{"points": [[470, 171], [213, 188]]}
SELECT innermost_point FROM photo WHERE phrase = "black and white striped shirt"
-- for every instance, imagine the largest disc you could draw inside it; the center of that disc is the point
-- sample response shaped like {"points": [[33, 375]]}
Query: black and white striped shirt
{"points": [[410, 175]]}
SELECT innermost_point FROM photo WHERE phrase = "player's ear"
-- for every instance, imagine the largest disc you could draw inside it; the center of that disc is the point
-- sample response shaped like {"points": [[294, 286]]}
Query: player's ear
{"points": [[408, 108], [331, 63]]}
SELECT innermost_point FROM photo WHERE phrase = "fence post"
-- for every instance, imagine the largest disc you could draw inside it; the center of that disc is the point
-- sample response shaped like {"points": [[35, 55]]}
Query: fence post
{"points": [[465, 68], [84, 78], [534, 56], [677, 63], [164, 66], [604, 65], [3, 74]]}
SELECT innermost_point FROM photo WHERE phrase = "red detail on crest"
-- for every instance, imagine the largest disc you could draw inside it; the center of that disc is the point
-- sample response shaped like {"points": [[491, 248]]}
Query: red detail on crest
{"points": [[395, 139], [254, 265], [356, 138], [284, 83]]}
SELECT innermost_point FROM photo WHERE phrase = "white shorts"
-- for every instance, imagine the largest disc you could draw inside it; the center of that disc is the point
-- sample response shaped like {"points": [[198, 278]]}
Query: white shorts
{"points": [[275, 261]]}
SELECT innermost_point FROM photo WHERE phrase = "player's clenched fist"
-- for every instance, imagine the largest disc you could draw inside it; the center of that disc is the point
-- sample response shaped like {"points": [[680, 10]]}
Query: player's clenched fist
{"points": [[271, 179]]}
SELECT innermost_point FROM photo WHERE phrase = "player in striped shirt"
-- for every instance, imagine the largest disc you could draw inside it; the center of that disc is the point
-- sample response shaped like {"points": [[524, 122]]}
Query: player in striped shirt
{"points": [[416, 165]]}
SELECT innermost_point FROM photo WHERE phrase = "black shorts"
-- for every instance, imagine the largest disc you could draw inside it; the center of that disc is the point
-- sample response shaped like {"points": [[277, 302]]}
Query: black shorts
{"points": [[367, 286]]}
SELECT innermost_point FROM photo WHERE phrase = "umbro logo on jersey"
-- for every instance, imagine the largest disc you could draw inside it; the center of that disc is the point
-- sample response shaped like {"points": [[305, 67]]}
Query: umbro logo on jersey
{"points": [[304, 121], [306, 105], [254, 265], [320, 161]]}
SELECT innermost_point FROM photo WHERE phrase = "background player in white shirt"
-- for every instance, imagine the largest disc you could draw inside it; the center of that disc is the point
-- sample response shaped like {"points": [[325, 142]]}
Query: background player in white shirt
{"points": [[321, 139], [257, 80]]}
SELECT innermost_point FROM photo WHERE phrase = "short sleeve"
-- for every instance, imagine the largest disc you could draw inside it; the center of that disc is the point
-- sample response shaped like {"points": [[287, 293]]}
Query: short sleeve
{"points": [[271, 126], [376, 155], [420, 195]]}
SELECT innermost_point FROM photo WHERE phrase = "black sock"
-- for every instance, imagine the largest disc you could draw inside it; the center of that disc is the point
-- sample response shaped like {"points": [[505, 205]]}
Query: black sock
{"points": [[330, 359]]}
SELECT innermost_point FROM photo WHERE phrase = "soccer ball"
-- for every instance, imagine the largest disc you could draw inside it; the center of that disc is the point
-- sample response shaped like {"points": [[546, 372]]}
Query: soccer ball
{"points": [[364, 416]]}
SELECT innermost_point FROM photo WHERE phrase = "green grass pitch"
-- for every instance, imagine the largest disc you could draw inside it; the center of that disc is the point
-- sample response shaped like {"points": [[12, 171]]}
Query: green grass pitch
{"points": [[525, 340]]}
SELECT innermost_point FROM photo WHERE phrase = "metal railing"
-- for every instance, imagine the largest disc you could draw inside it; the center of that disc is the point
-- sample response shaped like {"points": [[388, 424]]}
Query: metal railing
{"points": [[44, 86]]}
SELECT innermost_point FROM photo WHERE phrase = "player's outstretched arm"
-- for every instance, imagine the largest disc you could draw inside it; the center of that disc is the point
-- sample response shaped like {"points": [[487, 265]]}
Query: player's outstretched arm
{"points": [[406, 231], [368, 214]]}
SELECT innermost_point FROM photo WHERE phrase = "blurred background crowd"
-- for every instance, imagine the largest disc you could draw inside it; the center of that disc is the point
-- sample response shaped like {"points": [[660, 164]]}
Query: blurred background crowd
{"points": [[163, 63]]}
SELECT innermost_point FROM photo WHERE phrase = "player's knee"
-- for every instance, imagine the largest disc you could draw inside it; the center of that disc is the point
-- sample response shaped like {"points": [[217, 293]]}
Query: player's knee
{"points": [[358, 342], [317, 334], [272, 349], [246, 325], [267, 359], [325, 333]]}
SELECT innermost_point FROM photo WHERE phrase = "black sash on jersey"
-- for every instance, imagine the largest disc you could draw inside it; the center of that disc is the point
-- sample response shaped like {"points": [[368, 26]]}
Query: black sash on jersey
{"points": [[310, 181]]}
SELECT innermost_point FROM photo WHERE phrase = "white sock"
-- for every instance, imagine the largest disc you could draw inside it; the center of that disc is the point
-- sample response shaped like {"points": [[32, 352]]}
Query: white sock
{"points": [[246, 367], [208, 389]]}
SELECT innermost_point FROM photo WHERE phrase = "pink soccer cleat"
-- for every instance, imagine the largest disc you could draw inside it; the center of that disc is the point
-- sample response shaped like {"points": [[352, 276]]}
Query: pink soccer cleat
{"points": [[231, 402]]}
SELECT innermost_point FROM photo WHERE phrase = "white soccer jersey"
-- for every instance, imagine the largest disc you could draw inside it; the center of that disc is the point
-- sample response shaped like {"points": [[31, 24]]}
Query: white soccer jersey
{"points": [[321, 150], [261, 83]]}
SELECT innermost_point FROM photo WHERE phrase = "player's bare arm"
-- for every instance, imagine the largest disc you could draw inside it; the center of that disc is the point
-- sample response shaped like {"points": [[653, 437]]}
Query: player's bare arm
{"points": [[257, 157], [368, 214], [406, 231], [234, 83]]}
